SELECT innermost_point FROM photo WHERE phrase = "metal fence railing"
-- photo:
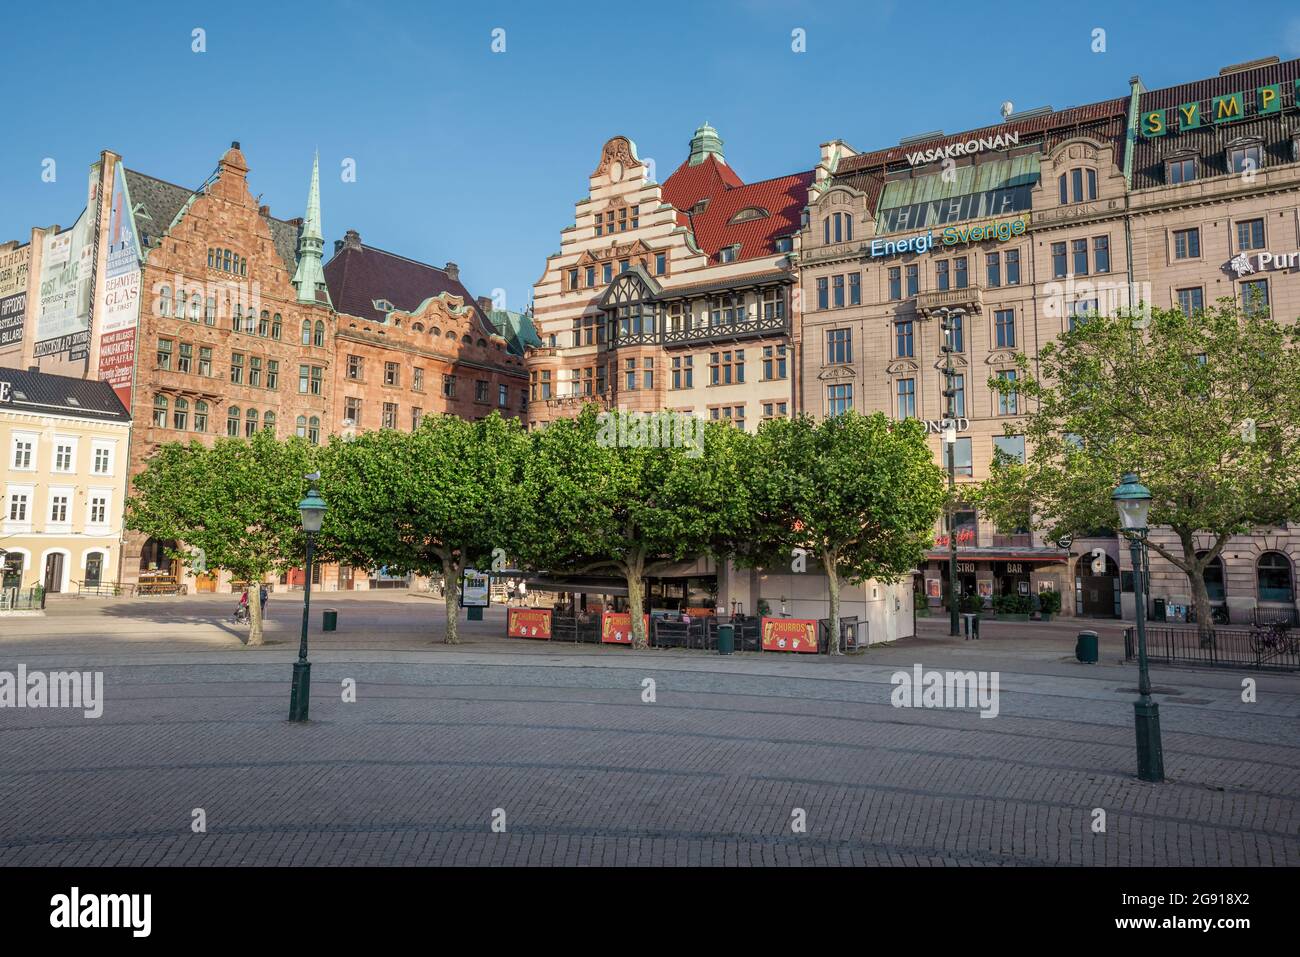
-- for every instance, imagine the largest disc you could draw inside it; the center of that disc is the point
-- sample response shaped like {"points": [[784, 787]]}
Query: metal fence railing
{"points": [[1268, 648], [16, 599]]}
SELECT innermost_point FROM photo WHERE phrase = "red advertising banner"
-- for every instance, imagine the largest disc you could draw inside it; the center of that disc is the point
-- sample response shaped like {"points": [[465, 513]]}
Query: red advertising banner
{"points": [[117, 362], [790, 634], [528, 623], [616, 627]]}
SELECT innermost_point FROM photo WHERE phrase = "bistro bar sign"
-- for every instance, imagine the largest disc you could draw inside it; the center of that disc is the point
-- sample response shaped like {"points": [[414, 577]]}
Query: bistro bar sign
{"points": [[1223, 109]]}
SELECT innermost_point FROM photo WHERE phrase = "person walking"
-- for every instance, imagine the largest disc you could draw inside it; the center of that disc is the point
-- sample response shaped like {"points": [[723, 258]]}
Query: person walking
{"points": [[262, 593]]}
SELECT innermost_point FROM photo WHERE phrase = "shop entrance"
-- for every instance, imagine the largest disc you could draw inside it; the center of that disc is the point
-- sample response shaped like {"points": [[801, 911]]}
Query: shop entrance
{"points": [[1097, 596]]}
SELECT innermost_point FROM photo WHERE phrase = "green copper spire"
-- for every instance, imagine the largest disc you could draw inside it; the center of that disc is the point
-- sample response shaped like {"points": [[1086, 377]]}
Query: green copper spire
{"points": [[309, 279], [705, 142]]}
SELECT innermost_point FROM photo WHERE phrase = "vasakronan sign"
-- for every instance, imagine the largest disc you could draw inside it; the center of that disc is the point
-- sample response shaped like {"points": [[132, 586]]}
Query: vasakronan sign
{"points": [[1222, 109], [964, 148], [1002, 230]]}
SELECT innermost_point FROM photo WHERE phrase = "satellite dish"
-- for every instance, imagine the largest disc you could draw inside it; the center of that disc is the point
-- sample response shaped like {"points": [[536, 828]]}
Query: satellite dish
{"points": [[1007, 108]]}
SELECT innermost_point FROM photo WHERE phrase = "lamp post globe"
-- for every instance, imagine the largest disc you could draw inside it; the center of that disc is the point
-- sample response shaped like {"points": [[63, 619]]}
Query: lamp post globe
{"points": [[1133, 502], [312, 509]]}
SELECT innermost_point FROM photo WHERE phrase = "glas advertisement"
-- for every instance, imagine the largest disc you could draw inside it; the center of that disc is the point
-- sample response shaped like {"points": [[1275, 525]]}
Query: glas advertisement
{"points": [[121, 299]]}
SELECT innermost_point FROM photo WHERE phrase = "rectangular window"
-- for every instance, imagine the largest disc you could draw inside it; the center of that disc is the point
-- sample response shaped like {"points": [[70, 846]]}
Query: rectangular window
{"points": [[417, 379], [1180, 171], [1004, 328], [63, 455], [774, 362], [1250, 234], [481, 387], [502, 396], [22, 457], [1010, 448], [607, 272], [304, 379], [839, 346], [855, 289], [959, 267], [237, 367], [1187, 243], [1080, 249], [591, 276], [164, 353], [390, 415], [993, 269], [17, 506], [255, 371], [823, 293], [959, 396], [205, 360], [895, 283], [661, 264], [273, 374], [913, 280], [961, 457], [573, 279], [186, 358], [1254, 295], [629, 374], [941, 275], [352, 409], [1059, 268], [1244, 159], [1191, 301], [903, 339], [1013, 267], [839, 399], [837, 287], [774, 303], [102, 463], [1008, 402], [449, 385], [683, 373], [1101, 253], [906, 399], [957, 322], [648, 373], [392, 374], [417, 416], [354, 367], [98, 510]]}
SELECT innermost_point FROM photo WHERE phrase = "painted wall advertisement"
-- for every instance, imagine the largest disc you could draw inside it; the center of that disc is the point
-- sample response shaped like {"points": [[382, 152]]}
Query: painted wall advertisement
{"points": [[120, 310], [13, 293], [66, 283]]}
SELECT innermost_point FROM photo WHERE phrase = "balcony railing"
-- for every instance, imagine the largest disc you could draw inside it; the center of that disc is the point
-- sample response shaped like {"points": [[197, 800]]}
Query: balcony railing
{"points": [[971, 298], [727, 330]]}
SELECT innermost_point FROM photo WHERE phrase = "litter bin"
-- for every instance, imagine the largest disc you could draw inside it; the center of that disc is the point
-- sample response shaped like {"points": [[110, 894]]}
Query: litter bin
{"points": [[1085, 648], [475, 613], [970, 626], [726, 639], [1160, 612], [330, 620]]}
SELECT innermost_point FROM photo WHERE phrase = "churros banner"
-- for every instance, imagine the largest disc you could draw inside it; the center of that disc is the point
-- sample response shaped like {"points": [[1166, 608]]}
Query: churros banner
{"points": [[616, 627], [528, 623], [790, 634]]}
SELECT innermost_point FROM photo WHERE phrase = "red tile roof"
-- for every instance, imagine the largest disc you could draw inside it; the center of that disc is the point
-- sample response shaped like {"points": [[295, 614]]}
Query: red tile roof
{"points": [[357, 275], [782, 198]]}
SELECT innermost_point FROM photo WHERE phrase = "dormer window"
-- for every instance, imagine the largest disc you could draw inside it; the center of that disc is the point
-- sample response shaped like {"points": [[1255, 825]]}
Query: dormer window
{"points": [[747, 214], [728, 254], [784, 244], [384, 306], [700, 207], [1078, 185], [1180, 169], [1245, 157], [837, 228]]}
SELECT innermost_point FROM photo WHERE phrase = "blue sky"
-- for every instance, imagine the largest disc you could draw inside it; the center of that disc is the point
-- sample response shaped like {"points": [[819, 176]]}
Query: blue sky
{"points": [[473, 156]]}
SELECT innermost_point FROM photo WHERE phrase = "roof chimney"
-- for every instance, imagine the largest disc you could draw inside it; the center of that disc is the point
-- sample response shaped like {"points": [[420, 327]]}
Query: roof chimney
{"points": [[352, 239], [484, 303], [338, 244], [264, 210], [452, 271]]}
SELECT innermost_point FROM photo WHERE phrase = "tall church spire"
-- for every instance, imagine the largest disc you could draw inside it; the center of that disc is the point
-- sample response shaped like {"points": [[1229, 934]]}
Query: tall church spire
{"points": [[309, 279]]}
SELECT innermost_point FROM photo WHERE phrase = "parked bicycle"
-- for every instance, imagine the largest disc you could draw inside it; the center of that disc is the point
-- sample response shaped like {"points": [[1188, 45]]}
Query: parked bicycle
{"points": [[1274, 638]]}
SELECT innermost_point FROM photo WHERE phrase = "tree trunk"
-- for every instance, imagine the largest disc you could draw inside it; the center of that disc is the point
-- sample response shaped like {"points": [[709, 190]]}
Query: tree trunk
{"points": [[254, 618], [636, 605], [831, 564], [451, 584], [1204, 613]]}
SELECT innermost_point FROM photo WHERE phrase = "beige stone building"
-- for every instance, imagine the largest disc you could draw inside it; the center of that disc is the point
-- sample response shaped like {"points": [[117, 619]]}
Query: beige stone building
{"points": [[1215, 213], [1013, 229], [63, 480]]}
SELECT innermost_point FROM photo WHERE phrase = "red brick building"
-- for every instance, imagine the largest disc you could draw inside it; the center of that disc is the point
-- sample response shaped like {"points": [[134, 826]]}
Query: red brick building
{"points": [[411, 341]]}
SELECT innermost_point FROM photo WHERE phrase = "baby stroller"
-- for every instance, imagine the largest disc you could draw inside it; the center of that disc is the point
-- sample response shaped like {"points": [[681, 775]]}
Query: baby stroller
{"points": [[241, 610]]}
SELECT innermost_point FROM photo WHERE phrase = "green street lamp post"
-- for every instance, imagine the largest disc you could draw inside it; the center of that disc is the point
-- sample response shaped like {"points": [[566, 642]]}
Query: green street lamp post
{"points": [[1133, 500], [312, 509], [947, 325]]}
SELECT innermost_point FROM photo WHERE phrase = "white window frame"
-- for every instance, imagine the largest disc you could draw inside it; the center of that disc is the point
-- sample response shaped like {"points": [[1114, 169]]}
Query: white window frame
{"points": [[34, 439], [111, 446], [64, 440], [24, 525], [63, 526], [104, 527]]}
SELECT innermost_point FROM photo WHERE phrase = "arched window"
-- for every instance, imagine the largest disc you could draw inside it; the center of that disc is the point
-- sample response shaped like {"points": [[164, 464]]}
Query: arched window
{"points": [[302, 426], [1213, 576], [482, 343], [225, 265], [236, 317], [160, 411], [417, 327], [211, 257], [313, 431], [451, 333], [1273, 572], [435, 332], [250, 423], [268, 422], [165, 301], [319, 338], [210, 311], [232, 421], [466, 340], [181, 414], [306, 332], [275, 326], [200, 416]]}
